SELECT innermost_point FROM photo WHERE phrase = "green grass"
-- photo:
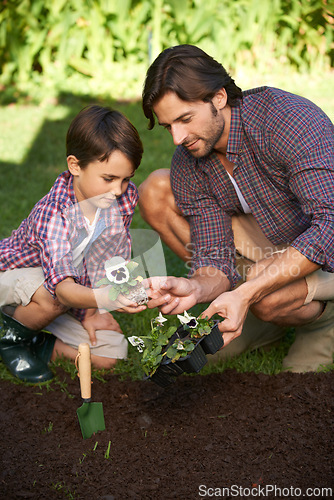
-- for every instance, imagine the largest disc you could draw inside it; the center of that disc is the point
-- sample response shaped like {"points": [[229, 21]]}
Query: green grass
{"points": [[32, 153]]}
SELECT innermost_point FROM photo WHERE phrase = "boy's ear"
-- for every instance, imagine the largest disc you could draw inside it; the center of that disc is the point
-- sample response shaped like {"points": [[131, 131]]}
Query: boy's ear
{"points": [[73, 165]]}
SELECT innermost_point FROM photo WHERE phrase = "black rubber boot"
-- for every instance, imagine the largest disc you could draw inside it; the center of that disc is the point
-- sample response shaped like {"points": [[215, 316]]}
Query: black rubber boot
{"points": [[43, 344], [26, 352]]}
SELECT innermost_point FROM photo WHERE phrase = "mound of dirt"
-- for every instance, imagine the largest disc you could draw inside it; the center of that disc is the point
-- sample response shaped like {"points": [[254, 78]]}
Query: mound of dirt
{"points": [[226, 435]]}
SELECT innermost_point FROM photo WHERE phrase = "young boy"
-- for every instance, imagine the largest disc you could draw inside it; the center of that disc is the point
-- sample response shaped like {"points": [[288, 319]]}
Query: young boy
{"points": [[50, 265]]}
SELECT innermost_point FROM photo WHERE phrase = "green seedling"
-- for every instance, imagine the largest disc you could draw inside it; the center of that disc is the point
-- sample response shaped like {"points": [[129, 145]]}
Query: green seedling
{"points": [[60, 486], [49, 428], [107, 453]]}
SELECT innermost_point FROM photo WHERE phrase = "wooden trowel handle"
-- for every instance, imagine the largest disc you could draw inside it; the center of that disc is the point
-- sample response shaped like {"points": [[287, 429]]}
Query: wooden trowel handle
{"points": [[85, 371]]}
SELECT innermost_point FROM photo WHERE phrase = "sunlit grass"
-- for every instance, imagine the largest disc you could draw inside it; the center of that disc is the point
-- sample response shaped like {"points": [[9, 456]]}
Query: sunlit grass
{"points": [[32, 154]]}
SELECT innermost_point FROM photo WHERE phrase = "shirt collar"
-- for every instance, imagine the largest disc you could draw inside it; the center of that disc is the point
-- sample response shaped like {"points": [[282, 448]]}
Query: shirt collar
{"points": [[236, 133], [71, 193], [72, 209], [111, 216], [234, 144]]}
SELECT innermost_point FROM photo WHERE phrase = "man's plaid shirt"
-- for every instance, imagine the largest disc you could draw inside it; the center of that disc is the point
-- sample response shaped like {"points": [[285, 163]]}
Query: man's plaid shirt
{"points": [[56, 226], [282, 146]]}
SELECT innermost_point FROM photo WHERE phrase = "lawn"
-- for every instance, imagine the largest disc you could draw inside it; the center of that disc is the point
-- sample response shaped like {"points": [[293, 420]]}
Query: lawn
{"points": [[32, 152]]}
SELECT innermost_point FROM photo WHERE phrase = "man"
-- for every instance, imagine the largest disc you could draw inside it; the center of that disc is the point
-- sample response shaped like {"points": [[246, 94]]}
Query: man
{"points": [[250, 192]]}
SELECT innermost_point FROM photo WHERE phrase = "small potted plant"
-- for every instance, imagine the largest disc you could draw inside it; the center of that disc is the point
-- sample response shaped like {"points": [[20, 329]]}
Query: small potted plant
{"points": [[169, 351], [204, 329], [124, 280]]}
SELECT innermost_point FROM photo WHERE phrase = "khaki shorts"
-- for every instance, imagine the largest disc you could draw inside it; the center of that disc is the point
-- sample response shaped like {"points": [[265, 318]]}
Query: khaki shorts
{"points": [[17, 286], [252, 245]]}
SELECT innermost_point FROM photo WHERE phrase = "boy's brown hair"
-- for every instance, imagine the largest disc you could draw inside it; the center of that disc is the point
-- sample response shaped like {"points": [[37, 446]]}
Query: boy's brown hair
{"points": [[98, 131]]}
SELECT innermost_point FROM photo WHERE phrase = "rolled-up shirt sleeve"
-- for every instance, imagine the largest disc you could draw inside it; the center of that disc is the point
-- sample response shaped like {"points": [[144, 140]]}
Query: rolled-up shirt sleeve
{"points": [[310, 161]]}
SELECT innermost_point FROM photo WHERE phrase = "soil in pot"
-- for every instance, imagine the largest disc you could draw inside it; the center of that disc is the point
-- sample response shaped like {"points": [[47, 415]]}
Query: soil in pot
{"points": [[137, 294]]}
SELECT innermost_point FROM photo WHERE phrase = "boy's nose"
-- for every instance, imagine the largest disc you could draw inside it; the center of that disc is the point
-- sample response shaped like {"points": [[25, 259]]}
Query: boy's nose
{"points": [[117, 189]]}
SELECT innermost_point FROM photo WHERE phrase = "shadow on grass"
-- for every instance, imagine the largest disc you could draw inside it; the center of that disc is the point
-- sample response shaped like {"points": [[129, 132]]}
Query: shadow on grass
{"points": [[26, 181]]}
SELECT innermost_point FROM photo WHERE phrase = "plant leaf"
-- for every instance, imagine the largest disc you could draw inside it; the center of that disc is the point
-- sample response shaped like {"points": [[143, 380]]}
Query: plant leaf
{"points": [[103, 281], [131, 266], [113, 293]]}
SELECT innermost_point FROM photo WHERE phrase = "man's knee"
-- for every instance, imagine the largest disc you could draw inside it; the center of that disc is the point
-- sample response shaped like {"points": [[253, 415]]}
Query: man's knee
{"points": [[154, 192], [266, 309]]}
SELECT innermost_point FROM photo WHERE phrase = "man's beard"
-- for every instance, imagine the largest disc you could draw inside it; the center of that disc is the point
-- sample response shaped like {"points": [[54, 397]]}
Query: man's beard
{"points": [[214, 134]]}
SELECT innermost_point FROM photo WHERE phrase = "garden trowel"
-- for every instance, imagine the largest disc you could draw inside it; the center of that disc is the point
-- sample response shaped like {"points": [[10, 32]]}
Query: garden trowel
{"points": [[90, 415]]}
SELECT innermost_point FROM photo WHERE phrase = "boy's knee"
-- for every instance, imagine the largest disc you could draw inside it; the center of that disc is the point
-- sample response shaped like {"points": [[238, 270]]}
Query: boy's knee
{"points": [[50, 307], [55, 308], [102, 363]]}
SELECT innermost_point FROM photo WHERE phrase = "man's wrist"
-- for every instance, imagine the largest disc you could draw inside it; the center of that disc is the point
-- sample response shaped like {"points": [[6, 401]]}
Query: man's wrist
{"points": [[247, 293], [197, 291], [208, 283]]}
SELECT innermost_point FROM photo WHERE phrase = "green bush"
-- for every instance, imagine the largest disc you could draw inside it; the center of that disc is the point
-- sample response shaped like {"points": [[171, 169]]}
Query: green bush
{"points": [[87, 43]]}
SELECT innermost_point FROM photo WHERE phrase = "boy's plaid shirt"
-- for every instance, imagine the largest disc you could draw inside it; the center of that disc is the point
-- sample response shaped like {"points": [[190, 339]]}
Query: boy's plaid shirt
{"points": [[56, 225], [283, 149]]}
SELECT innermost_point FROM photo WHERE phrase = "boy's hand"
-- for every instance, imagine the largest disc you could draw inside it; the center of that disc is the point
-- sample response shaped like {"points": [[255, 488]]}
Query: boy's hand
{"points": [[128, 306], [121, 304], [95, 320]]}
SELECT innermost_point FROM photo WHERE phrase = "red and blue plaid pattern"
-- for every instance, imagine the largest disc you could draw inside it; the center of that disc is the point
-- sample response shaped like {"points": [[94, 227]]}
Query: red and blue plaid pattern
{"points": [[282, 146], [56, 226]]}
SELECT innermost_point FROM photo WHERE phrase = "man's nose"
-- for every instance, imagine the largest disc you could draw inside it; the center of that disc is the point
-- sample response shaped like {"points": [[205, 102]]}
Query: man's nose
{"points": [[179, 134]]}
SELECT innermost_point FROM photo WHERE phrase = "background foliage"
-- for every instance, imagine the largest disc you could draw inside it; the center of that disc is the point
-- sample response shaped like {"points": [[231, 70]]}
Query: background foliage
{"points": [[57, 56], [99, 45]]}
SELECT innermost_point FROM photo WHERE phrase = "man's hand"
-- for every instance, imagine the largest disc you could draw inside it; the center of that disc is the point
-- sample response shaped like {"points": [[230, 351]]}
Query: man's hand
{"points": [[175, 295], [172, 295], [233, 307], [94, 320]]}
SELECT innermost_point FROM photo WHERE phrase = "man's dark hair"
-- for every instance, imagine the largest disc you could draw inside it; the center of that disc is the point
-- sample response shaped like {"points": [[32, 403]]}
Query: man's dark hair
{"points": [[98, 131], [191, 74]]}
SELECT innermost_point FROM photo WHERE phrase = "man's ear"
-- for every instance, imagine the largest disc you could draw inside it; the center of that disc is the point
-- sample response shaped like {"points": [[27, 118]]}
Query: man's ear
{"points": [[220, 98], [73, 165]]}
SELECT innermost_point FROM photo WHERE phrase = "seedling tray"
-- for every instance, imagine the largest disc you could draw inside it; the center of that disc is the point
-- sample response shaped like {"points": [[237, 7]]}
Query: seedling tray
{"points": [[213, 342], [167, 371]]}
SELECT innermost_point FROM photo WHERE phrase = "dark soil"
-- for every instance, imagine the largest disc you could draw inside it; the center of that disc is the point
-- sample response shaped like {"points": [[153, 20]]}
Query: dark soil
{"points": [[239, 431]]}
